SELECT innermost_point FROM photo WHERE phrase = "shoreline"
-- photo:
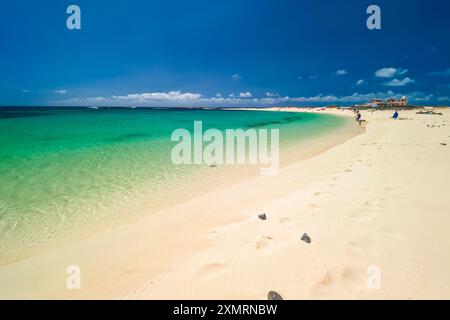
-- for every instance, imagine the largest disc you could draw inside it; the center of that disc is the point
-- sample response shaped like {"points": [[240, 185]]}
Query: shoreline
{"points": [[132, 207], [363, 206], [52, 259], [359, 201]]}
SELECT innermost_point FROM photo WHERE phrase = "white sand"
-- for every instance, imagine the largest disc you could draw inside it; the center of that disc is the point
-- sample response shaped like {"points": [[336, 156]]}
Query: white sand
{"points": [[380, 198]]}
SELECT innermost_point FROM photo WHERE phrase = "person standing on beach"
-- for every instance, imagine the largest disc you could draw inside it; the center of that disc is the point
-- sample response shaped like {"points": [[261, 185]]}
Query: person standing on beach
{"points": [[358, 117]]}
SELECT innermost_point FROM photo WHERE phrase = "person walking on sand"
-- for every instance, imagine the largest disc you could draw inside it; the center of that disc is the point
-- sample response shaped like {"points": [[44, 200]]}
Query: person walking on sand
{"points": [[358, 117]]}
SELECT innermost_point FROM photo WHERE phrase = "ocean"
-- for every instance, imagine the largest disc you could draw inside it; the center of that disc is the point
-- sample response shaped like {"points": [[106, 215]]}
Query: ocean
{"points": [[66, 173]]}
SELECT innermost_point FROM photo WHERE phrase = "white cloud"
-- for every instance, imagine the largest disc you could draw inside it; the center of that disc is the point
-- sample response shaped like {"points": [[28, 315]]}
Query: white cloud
{"points": [[245, 94], [299, 77], [26, 91], [159, 96], [177, 98], [359, 82], [95, 99], [79, 101], [317, 98], [341, 72], [424, 97], [399, 83], [62, 91], [443, 99], [390, 72], [443, 73], [236, 77], [313, 77]]}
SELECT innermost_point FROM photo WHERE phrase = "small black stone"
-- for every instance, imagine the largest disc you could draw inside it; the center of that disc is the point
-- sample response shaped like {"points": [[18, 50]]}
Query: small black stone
{"points": [[273, 295], [262, 216], [305, 238]]}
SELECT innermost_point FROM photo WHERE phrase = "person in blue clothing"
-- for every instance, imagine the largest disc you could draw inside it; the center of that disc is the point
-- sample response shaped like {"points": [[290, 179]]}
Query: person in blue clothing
{"points": [[395, 115]]}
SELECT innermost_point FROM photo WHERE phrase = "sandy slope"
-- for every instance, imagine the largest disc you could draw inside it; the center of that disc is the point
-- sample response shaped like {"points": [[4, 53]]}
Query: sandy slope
{"points": [[380, 198]]}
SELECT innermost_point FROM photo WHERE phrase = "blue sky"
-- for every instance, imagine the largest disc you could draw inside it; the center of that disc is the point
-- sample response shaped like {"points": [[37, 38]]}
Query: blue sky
{"points": [[221, 53]]}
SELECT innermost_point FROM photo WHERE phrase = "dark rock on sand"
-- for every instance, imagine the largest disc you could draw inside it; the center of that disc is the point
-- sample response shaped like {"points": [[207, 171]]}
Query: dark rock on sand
{"points": [[262, 216], [273, 295], [305, 238], [443, 144], [430, 113]]}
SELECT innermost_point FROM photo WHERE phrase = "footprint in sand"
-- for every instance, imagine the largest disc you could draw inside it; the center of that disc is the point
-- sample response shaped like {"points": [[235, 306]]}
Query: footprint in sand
{"points": [[360, 248], [263, 243], [363, 215], [284, 220], [326, 280], [352, 248], [289, 220], [343, 278], [348, 273], [368, 213], [324, 284], [391, 233], [214, 235], [212, 270], [380, 205]]}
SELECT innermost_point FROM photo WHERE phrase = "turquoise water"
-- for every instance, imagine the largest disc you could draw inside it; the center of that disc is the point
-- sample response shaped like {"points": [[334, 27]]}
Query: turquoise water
{"points": [[66, 172]]}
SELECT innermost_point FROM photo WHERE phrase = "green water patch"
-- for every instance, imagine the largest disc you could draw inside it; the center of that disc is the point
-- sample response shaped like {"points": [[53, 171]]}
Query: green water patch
{"points": [[67, 172], [130, 137]]}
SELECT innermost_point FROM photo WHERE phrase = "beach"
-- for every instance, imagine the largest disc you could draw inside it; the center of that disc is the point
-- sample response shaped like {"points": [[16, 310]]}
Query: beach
{"points": [[377, 199]]}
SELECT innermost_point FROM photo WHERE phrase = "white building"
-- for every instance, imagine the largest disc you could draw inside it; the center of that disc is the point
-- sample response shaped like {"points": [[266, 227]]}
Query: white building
{"points": [[391, 102], [403, 102]]}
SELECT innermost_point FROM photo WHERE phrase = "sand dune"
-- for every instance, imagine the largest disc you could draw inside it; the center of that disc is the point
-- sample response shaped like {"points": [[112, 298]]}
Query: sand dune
{"points": [[378, 200]]}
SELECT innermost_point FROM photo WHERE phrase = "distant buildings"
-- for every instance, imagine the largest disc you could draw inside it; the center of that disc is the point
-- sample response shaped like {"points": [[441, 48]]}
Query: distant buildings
{"points": [[376, 103], [391, 102], [403, 102]]}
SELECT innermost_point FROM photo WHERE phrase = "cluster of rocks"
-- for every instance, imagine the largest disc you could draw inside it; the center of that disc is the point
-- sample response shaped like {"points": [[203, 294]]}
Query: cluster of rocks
{"points": [[430, 113]]}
